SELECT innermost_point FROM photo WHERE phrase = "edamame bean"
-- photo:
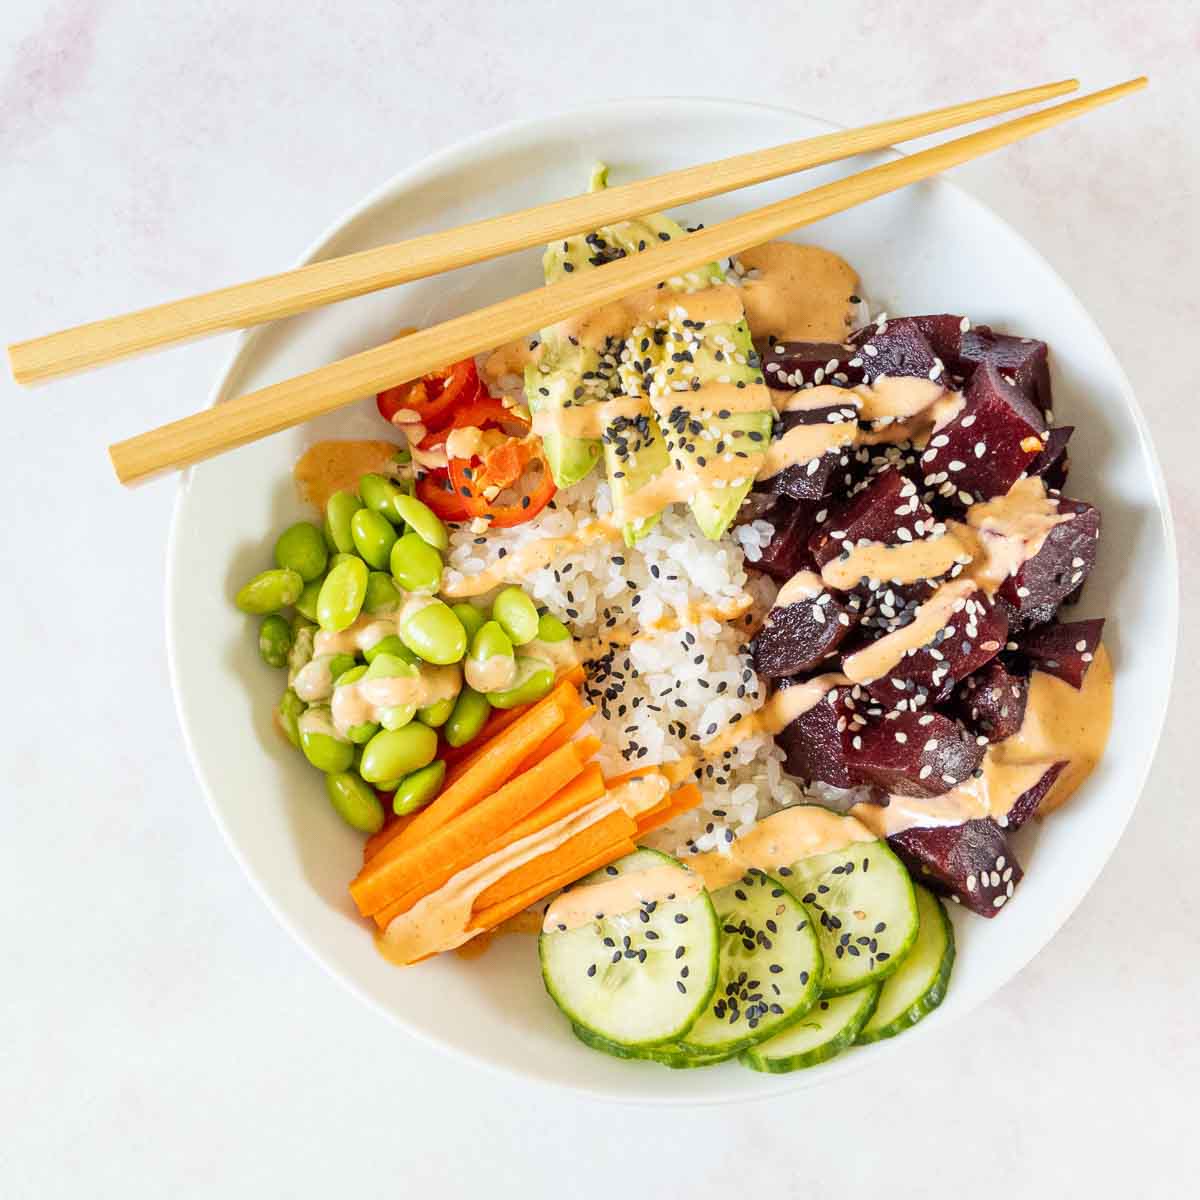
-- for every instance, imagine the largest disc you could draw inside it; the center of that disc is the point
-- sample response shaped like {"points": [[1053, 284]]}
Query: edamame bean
{"points": [[342, 594], [355, 801], [393, 666], [435, 715], [422, 520], [535, 678], [339, 664], [378, 492], [491, 665], [551, 629], [517, 614], [274, 640], [392, 753], [301, 548], [472, 618], [269, 591], [301, 652], [339, 512], [287, 715], [341, 558], [373, 537], [416, 566], [306, 602], [382, 594], [353, 675], [390, 645], [323, 746], [365, 731], [433, 632], [471, 711], [403, 456], [416, 790]]}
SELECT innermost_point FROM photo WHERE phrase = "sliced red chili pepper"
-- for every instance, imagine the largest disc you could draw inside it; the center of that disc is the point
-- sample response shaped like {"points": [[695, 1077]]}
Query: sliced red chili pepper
{"points": [[486, 410], [434, 397], [469, 490], [438, 493]]}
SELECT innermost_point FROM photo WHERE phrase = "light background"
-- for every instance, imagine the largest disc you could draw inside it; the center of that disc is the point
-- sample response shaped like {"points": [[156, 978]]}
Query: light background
{"points": [[159, 1034]]}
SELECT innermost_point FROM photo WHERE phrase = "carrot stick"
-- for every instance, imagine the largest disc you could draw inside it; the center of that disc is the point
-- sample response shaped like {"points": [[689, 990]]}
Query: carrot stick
{"points": [[613, 827], [402, 874], [587, 786], [487, 772], [392, 829], [564, 733], [682, 801], [489, 918]]}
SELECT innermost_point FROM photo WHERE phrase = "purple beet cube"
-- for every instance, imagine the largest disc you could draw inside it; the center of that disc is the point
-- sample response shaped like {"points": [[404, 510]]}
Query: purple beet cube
{"points": [[1067, 555], [813, 744], [879, 512], [972, 862], [1027, 803], [1063, 650], [1053, 464], [992, 701], [790, 366], [895, 347], [984, 450], [787, 552], [914, 754], [813, 480], [799, 637]]}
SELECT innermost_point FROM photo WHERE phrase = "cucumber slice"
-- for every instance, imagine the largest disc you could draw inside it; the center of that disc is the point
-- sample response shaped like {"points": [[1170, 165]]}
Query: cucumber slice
{"points": [[821, 1034], [919, 985], [668, 1055], [770, 970], [639, 978], [862, 901]]}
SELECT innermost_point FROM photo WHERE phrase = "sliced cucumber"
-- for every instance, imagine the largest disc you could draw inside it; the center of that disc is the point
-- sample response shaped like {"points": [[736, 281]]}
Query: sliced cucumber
{"points": [[640, 978], [862, 901], [821, 1034], [919, 985], [770, 970]]}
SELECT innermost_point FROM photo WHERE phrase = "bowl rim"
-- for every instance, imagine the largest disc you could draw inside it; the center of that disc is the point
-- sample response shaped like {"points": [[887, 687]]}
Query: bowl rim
{"points": [[245, 344]]}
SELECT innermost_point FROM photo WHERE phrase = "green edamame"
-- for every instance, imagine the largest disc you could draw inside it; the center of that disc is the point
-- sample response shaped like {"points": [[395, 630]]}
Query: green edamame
{"points": [[301, 653], [323, 746], [339, 664], [390, 645], [535, 678], [306, 602], [353, 675], [416, 790], [342, 594], [373, 537], [287, 716], [269, 591], [274, 640], [339, 512], [383, 596], [393, 666], [435, 715], [433, 632], [472, 618], [471, 711], [416, 566], [378, 492], [301, 548], [393, 753], [491, 665], [355, 801], [422, 520], [517, 615], [551, 629], [364, 732]]}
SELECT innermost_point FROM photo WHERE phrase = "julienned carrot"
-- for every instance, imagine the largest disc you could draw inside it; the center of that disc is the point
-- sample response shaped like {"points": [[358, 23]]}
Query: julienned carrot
{"points": [[393, 829], [614, 827], [575, 721], [416, 870], [587, 786], [487, 772], [489, 918], [565, 695], [685, 799]]}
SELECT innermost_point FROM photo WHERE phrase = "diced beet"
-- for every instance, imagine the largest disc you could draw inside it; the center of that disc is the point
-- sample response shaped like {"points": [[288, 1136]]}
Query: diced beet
{"points": [[971, 637], [788, 366], [813, 744], [888, 504], [797, 637], [907, 757], [972, 862], [757, 506], [1027, 803], [895, 347], [812, 480], [944, 333], [1053, 464], [983, 451], [787, 552], [992, 701], [1063, 650]]}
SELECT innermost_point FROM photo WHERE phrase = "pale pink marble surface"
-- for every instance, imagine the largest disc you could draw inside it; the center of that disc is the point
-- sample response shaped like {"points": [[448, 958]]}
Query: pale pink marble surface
{"points": [[157, 1033]]}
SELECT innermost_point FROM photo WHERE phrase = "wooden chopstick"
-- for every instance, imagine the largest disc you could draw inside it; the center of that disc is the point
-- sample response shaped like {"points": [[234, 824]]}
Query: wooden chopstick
{"points": [[326, 282], [292, 401]]}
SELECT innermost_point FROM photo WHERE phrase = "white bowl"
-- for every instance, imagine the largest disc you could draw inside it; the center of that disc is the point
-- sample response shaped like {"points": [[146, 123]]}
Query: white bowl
{"points": [[931, 248]]}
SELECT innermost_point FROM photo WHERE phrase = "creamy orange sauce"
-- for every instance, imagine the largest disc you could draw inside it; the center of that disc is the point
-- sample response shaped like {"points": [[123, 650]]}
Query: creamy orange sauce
{"points": [[719, 304], [366, 700], [496, 673], [511, 359], [366, 632], [804, 585], [804, 443], [1010, 530], [802, 293], [776, 714], [620, 895], [902, 562], [334, 466]]}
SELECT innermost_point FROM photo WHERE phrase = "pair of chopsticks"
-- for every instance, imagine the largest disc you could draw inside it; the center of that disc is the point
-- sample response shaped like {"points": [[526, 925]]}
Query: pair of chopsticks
{"points": [[292, 401]]}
